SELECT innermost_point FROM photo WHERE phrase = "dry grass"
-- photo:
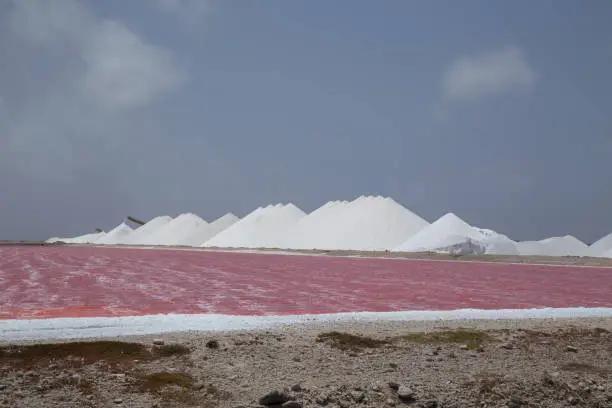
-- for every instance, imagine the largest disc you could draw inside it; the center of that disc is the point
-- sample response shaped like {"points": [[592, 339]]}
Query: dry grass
{"points": [[349, 342], [79, 354], [472, 339], [74, 354], [155, 382], [169, 350]]}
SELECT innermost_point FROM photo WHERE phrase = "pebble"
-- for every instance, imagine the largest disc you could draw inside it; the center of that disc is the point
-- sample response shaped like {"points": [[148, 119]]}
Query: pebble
{"points": [[118, 401], [2, 387], [464, 347], [158, 342], [393, 385], [390, 402], [296, 388], [393, 365], [550, 377], [358, 396], [405, 393], [571, 349], [507, 346]]}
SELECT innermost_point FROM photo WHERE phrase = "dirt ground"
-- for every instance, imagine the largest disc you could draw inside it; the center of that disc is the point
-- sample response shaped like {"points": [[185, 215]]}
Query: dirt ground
{"points": [[526, 363]]}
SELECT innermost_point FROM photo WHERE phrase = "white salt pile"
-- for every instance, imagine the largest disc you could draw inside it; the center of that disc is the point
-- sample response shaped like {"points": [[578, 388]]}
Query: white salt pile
{"points": [[529, 248], [115, 236], [81, 239], [207, 231], [601, 246], [303, 234], [147, 229], [450, 234], [175, 231], [262, 228], [366, 224], [565, 246]]}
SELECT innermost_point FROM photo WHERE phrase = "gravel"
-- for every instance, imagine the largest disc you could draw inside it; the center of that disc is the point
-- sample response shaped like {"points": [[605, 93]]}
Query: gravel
{"points": [[551, 363]]}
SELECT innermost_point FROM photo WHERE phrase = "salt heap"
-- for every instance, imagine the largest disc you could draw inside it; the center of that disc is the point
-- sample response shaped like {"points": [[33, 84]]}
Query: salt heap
{"points": [[147, 229], [115, 236], [81, 239], [450, 234], [175, 231], [565, 246], [262, 228], [601, 246], [366, 224], [207, 231], [300, 235], [530, 248]]}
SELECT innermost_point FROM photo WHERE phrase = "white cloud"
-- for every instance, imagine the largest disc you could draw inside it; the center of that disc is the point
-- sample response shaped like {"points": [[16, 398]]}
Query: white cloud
{"points": [[70, 81], [495, 72], [123, 71]]}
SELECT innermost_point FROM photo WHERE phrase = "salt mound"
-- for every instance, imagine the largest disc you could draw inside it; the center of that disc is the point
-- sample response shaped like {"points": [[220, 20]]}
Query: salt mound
{"points": [[601, 246], [115, 236], [147, 229], [607, 254], [206, 232], [261, 228], [530, 248], [175, 231], [450, 234], [565, 246], [366, 224], [300, 235], [82, 239]]}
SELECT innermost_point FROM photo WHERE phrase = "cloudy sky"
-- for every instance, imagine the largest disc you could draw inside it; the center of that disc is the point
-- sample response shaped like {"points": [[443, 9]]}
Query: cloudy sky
{"points": [[499, 111]]}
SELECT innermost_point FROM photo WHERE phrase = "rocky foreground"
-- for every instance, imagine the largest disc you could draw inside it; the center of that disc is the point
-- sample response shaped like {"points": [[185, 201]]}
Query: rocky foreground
{"points": [[427, 365]]}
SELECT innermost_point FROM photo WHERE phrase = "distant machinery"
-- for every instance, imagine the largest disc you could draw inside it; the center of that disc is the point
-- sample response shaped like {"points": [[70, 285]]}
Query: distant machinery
{"points": [[135, 221]]}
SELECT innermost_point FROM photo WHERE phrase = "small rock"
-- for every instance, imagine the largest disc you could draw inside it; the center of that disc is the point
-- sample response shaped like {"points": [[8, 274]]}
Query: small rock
{"points": [[212, 344], [118, 401], [572, 401], [358, 396], [550, 377], [480, 349], [52, 366], [571, 349], [432, 403], [507, 346], [158, 342], [393, 385], [296, 388], [274, 398], [296, 359], [464, 347], [405, 394], [292, 404], [393, 365], [2, 387], [376, 387], [515, 402], [390, 402]]}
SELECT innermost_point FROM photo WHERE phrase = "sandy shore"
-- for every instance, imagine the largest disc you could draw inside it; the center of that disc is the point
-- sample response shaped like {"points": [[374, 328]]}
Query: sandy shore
{"points": [[452, 364]]}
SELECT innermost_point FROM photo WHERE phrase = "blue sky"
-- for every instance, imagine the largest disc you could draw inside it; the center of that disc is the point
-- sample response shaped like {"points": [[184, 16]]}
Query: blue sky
{"points": [[495, 110]]}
